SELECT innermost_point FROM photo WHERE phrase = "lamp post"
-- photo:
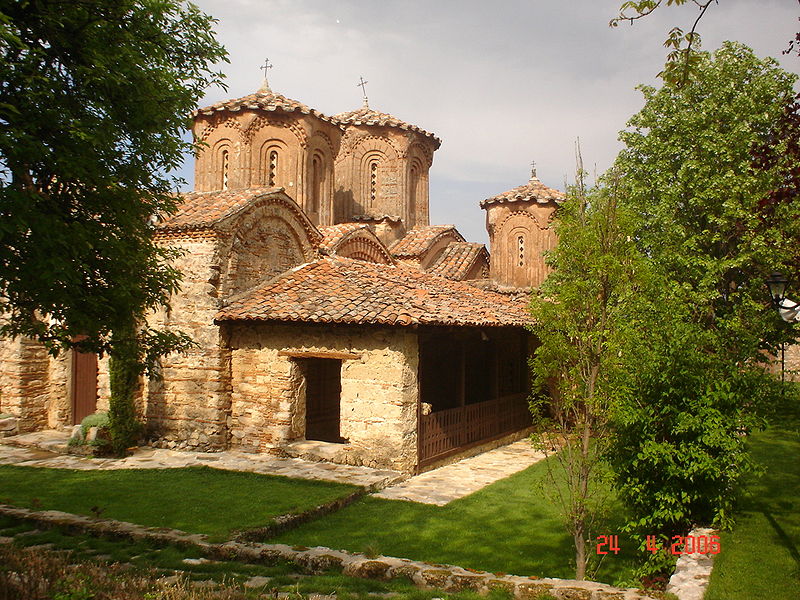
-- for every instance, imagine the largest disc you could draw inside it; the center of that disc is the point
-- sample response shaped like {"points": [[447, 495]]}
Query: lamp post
{"points": [[788, 310]]}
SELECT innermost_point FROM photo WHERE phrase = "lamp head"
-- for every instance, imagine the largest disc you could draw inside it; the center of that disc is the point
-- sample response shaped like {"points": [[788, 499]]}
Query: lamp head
{"points": [[776, 283]]}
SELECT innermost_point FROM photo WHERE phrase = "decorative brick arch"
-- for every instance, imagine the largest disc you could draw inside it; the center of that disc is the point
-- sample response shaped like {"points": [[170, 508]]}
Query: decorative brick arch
{"points": [[267, 237], [271, 121], [362, 244]]}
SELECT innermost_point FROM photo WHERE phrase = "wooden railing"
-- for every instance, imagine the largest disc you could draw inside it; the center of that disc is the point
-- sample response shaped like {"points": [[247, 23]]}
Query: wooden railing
{"points": [[448, 431]]}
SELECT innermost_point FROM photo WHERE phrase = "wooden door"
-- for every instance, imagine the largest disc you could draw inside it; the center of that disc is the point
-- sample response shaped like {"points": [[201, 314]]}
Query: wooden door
{"points": [[323, 398], [84, 385]]}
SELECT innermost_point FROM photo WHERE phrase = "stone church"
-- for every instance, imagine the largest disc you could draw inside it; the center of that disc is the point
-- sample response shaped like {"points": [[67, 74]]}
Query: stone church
{"points": [[332, 320]]}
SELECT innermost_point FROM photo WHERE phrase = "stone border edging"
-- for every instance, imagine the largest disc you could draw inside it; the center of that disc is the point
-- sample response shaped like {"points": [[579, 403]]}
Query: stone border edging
{"points": [[692, 571], [283, 523], [447, 578]]}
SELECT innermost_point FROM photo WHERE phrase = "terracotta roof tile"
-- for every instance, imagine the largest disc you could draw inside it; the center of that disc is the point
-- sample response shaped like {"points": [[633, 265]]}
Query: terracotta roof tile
{"points": [[333, 234], [367, 116], [204, 209], [263, 99], [457, 260], [342, 290], [533, 191], [417, 241]]}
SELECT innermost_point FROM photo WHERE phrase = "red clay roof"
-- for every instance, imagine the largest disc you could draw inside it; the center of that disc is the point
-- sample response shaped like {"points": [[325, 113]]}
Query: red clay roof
{"points": [[333, 234], [201, 210], [533, 191], [457, 260], [342, 290], [263, 99], [417, 241], [367, 116]]}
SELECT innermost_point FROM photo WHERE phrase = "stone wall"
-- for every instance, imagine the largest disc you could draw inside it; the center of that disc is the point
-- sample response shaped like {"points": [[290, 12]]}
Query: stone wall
{"points": [[24, 376], [188, 406], [378, 388]]}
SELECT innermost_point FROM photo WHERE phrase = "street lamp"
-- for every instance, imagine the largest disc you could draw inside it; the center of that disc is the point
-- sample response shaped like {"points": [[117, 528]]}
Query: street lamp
{"points": [[787, 309]]}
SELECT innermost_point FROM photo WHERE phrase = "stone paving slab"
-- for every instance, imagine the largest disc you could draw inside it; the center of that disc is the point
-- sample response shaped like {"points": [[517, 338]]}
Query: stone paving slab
{"points": [[25, 452], [451, 482]]}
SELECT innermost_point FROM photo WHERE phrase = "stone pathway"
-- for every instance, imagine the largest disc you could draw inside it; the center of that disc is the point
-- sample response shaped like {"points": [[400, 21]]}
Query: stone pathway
{"points": [[27, 450], [469, 475]]}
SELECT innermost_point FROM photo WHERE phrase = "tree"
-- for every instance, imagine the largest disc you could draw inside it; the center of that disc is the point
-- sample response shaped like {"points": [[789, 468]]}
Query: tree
{"points": [[94, 97], [587, 323], [687, 170]]}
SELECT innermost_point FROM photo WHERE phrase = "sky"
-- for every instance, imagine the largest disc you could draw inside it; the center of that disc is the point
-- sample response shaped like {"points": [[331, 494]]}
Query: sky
{"points": [[501, 83]]}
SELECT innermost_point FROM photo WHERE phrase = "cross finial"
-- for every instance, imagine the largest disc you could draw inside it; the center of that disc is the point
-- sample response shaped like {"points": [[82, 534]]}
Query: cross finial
{"points": [[363, 86], [265, 68], [533, 169]]}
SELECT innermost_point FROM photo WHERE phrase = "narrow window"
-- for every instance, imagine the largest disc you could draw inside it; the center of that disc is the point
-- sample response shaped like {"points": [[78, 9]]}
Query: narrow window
{"points": [[413, 184], [373, 182], [316, 184], [225, 165], [273, 168], [521, 250]]}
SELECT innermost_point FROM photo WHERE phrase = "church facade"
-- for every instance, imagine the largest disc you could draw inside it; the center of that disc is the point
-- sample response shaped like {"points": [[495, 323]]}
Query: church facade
{"points": [[331, 319]]}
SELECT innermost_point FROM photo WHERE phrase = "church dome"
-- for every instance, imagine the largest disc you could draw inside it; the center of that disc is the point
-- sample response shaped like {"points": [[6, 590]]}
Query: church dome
{"points": [[264, 99], [370, 117], [533, 191]]}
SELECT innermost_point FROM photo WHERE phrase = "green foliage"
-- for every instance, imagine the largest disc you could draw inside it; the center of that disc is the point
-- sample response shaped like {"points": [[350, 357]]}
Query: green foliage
{"points": [[125, 368], [95, 99], [588, 317], [98, 419], [679, 452]]}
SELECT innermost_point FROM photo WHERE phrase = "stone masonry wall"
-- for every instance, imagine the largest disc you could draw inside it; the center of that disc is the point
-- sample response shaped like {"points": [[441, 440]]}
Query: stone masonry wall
{"points": [[378, 397], [188, 407], [24, 374]]}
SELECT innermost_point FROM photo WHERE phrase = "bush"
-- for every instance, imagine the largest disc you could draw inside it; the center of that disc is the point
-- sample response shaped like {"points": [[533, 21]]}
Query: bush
{"points": [[98, 419]]}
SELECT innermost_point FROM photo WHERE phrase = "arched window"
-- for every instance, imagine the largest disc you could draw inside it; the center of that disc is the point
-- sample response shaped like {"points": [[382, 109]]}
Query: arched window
{"points": [[521, 250], [272, 168], [315, 195], [225, 164], [413, 184], [373, 182]]}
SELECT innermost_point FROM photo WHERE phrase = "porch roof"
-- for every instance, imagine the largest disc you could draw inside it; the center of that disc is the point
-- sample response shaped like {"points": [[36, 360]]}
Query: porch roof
{"points": [[343, 290]]}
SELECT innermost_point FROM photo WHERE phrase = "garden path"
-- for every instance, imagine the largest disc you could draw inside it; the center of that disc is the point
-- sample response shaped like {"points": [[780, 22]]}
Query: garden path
{"points": [[451, 482]]}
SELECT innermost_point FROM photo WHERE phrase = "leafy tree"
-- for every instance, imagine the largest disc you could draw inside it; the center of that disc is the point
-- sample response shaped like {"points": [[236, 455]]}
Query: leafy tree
{"points": [[587, 323], [94, 97], [678, 451]]}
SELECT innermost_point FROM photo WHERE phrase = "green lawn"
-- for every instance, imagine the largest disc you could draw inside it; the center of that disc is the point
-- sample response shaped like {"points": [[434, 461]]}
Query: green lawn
{"points": [[194, 499], [760, 558], [152, 560], [510, 526]]}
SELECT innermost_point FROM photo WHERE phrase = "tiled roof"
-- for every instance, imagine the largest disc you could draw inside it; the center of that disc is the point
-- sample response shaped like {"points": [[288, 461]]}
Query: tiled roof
{"points": [[457, 260], [533, 191], [204, 209], [367, 116], [417, 241], [342, 290], [263, 99], [333, 234]]}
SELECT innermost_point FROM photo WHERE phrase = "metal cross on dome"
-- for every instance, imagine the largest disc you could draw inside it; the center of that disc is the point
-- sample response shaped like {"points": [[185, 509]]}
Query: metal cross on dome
{"points": [[533, 169], [265, 68], [363, 86]]}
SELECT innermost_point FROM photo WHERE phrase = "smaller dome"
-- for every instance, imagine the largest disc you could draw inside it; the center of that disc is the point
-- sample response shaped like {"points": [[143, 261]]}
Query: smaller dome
{"points": [[367, 116], [533, 191]]}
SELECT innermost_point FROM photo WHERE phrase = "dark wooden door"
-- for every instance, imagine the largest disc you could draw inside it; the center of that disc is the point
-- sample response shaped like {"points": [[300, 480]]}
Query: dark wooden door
{"points": [[323, 398], [84, 385]]}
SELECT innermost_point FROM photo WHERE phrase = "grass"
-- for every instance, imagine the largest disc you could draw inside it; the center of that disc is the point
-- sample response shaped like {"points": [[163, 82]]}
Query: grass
{"points": [[153, 561], [511, 526], [760, 558], [193, 499]]}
